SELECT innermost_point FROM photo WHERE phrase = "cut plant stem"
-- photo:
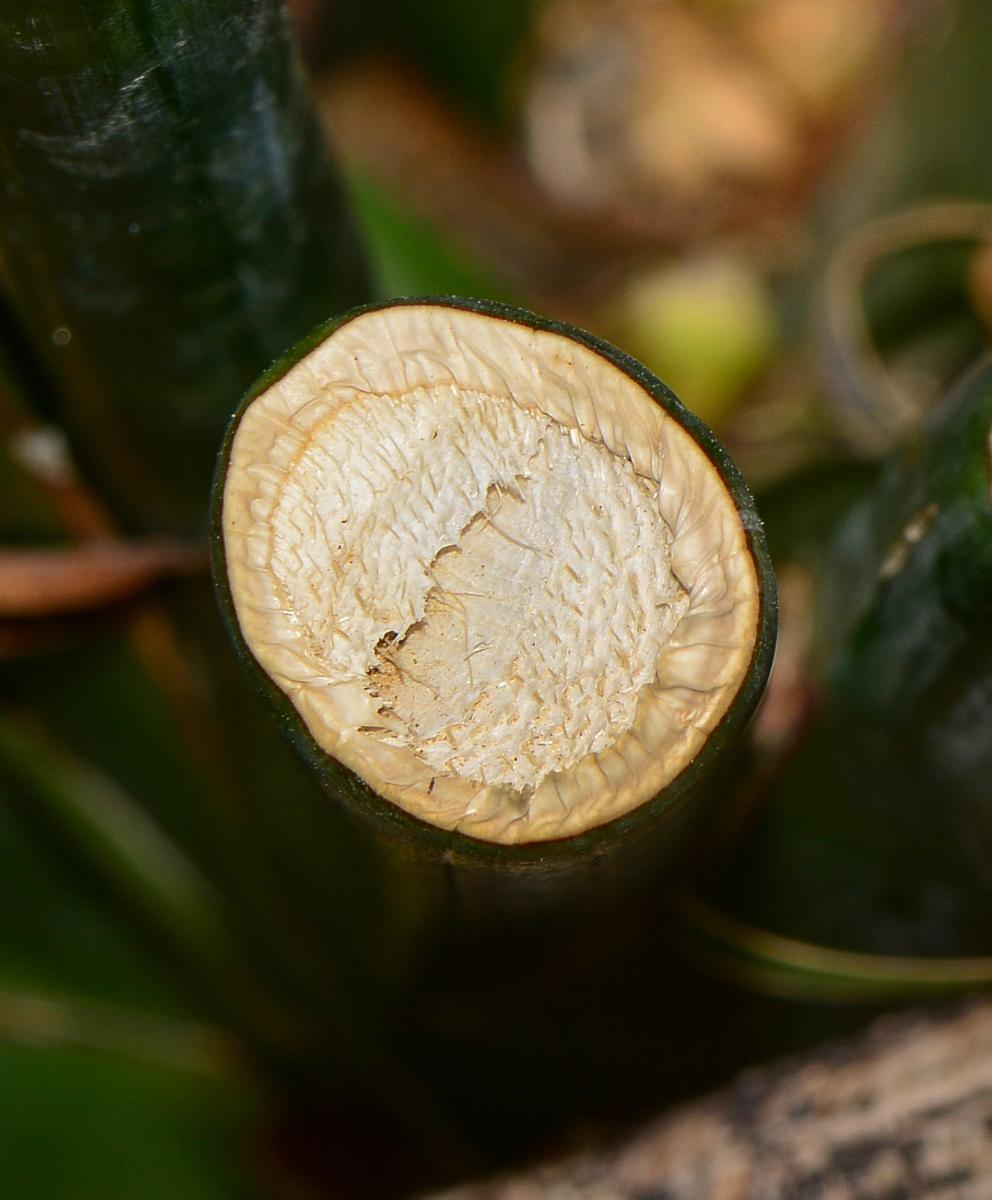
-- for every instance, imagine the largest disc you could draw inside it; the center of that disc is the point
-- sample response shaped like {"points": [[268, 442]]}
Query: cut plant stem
{"points": [[503, 577], [876, 839], [171, 224]]}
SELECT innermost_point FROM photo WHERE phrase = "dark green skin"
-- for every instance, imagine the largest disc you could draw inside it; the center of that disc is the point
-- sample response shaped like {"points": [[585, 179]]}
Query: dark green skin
{"points": [[169, 224], [653, 831], [880, 837]]}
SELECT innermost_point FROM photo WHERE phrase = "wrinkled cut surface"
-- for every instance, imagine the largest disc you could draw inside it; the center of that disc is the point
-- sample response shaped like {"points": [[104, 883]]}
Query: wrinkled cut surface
{"points": [[499, 583], [496, 580]]}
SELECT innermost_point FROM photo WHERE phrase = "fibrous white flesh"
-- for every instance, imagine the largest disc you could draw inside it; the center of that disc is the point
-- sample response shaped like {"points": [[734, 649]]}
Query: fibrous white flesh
{"points": [[501, 583], [496, 580]]}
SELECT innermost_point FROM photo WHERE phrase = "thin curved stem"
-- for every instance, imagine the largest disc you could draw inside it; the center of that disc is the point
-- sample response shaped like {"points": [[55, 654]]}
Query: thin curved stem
{"points": [[873, 406], [767, 962]]}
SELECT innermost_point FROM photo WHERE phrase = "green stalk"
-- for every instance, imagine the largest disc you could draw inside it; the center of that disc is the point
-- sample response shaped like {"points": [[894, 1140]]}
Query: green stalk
{"points": [[879, 838], [104, 827], [622, 841], [170, 224]]}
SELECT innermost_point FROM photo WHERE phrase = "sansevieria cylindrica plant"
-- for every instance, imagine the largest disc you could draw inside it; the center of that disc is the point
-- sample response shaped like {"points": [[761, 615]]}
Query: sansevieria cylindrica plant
{"points": [[504, 578], [169, 224], [866, 876]]}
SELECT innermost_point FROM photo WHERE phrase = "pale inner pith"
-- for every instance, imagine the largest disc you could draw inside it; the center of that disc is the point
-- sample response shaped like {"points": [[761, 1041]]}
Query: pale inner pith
{"points": [[499, 584]]}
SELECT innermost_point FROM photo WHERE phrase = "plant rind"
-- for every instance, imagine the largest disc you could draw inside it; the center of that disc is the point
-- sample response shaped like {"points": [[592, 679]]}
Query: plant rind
{"points": [[669, 805]]}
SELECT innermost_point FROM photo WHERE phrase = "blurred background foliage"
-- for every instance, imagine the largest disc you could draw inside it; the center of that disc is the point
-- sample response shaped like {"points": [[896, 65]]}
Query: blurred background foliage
{"points": [[211, 983]]}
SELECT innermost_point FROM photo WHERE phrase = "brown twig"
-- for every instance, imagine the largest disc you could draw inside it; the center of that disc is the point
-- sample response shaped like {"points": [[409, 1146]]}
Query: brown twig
{"points": [[47, 582]]}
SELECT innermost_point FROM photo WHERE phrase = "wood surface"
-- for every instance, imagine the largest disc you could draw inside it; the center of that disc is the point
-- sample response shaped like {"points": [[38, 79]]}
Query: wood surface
{"points": [[902, 1112]]}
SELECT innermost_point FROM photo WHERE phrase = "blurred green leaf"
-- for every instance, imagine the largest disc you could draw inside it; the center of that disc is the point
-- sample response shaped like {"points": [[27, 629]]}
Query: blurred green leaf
{"points": [[411, 257], [930, 139], [946, 113], [99, 701], [470, 48], [79, 1125], [75, 1122], [117, 836], [801, 513], [59, 932]]}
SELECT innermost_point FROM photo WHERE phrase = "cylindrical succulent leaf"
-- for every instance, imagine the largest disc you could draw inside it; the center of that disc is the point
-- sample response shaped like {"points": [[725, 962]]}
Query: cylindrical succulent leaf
{"points": [[169, 224], [500, 584], [879, 837]]}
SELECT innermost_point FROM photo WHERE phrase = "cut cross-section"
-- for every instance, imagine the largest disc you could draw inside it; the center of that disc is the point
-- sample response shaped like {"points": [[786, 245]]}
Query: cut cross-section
{"points": [[496, 579]]}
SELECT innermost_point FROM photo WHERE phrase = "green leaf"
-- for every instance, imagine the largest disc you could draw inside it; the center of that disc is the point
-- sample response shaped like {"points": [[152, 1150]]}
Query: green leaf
{"points": [[116, 835], [80, 1125], [59, 932], [470, 48], [412, 257]]}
